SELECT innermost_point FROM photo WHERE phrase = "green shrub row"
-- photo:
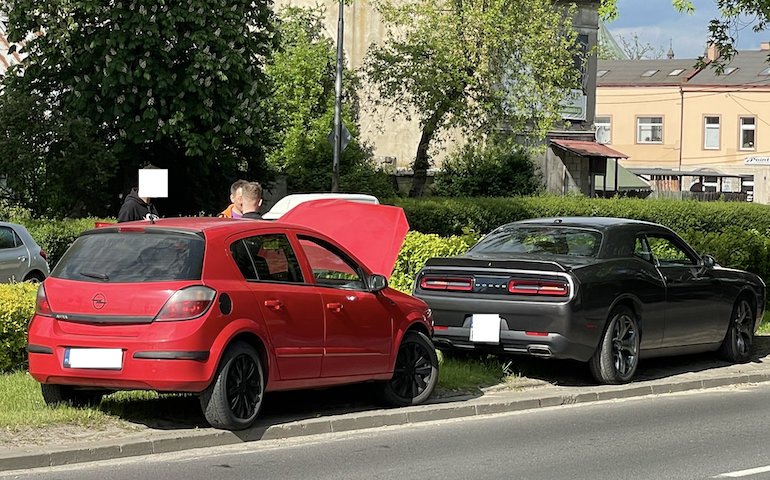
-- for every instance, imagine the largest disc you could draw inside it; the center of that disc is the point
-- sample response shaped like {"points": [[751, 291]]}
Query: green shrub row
{"points": [[17, 303], [453, 216]]}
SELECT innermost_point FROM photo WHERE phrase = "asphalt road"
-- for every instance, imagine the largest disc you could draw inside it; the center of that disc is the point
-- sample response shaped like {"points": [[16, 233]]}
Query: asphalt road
{"points": [[707, 434]]}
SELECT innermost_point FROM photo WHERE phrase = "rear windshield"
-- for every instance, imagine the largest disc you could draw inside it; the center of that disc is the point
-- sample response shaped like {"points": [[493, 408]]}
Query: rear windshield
{"points": [[546, 240], [132, 257]]}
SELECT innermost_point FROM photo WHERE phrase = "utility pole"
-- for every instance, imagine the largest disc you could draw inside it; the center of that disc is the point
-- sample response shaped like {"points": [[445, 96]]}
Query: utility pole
{"points": [[338, 103]]}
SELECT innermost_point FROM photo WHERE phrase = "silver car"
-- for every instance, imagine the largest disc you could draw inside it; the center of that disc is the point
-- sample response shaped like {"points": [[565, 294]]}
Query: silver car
{"points": [[21, 258]]}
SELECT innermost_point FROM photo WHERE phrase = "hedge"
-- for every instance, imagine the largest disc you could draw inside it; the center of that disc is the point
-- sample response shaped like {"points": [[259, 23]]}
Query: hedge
{"points": [[453, 216], [17, 303]]}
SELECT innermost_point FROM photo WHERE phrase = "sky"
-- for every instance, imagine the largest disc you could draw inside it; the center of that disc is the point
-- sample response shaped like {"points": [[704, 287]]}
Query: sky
{"points": [[657, 22]]}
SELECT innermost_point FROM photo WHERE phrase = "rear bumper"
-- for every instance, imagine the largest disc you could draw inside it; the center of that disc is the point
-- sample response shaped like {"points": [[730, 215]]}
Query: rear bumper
{"points": [[180, 362], [542, 329]]}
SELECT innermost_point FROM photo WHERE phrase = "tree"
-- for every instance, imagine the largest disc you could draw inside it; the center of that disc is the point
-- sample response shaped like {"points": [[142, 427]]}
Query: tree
{"points": [[721, 30], [177, 84], [635, 49], [473, 64], [303, 73]]}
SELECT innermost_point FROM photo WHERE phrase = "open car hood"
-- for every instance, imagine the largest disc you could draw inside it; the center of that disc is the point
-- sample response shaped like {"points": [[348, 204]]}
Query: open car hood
{"points": [[373, 233]]}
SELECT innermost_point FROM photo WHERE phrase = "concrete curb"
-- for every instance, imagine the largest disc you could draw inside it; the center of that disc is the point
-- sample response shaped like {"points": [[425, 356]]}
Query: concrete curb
{"points": [[500, 402]]}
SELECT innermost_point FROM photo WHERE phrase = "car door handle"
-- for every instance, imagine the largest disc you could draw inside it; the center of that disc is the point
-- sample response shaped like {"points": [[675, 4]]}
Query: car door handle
{"points": [[274, 304], [22, 259], [334, 307]]}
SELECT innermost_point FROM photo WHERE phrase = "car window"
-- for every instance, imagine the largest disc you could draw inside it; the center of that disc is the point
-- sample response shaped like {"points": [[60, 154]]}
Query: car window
{"points": [[7, 238], [547, 240], [330, 266], [667, 251], [132, 257], [642, 249], [267, 258]]}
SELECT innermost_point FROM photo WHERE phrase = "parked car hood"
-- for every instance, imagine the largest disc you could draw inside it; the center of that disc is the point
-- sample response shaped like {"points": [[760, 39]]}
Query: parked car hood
{"points": [[373, 233]]}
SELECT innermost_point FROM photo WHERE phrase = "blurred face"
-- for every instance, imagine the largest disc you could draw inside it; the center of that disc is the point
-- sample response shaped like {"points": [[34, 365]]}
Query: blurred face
{"points": [[237, 199]]}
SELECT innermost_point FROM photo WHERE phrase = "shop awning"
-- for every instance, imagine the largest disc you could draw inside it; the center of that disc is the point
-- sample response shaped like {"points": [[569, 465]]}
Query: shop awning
{"points": [[587, 149]]}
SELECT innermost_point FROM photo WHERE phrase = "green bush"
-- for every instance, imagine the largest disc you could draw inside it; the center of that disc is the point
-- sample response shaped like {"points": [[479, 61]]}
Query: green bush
{"points": [[449, 216], [417, 249], [494, 168], [17, 304]]}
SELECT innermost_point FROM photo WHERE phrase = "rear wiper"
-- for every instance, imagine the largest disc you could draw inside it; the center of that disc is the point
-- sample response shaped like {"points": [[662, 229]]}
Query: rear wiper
{"points": [[97, 275]]}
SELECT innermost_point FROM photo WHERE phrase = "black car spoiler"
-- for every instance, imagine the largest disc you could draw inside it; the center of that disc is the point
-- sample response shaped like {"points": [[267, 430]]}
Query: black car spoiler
{"points": [[540, 265]]}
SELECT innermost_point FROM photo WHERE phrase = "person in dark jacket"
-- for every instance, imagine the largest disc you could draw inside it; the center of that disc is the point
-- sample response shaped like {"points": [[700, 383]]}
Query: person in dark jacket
{"points": [[137, 208], [252, 199]]}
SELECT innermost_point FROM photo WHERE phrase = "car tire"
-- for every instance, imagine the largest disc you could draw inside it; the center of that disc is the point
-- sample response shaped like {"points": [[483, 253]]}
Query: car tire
{"points": [[34, 277], [736, 346], [66, 395], [415, 374], [617, 356], [233, 399]]}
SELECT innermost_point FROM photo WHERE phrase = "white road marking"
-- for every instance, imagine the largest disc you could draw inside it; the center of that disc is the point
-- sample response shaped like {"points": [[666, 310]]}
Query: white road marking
{"points": [[745, 473]]}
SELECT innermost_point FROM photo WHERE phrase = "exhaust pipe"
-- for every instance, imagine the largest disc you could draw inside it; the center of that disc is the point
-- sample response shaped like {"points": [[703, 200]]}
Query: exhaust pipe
{"points": [[539, 351]]}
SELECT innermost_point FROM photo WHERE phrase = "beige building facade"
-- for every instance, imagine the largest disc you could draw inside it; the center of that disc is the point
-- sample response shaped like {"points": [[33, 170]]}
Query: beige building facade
{"points": [[672, 116]]}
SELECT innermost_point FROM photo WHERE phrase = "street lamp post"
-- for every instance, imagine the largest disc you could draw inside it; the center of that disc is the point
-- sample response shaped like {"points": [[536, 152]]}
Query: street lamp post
{"points": [[338, 104]]}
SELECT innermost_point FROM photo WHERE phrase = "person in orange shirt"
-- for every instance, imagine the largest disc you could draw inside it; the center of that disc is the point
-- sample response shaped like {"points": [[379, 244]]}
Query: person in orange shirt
{"points": [[235, 209]]}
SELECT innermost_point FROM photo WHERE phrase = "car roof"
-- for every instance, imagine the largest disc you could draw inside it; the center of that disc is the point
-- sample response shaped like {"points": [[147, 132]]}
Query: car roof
{"points": [[207, 224], [599, 223]]}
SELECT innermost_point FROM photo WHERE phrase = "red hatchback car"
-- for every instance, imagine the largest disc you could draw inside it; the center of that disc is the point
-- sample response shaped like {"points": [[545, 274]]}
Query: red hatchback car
{"points": [[228, 309]]}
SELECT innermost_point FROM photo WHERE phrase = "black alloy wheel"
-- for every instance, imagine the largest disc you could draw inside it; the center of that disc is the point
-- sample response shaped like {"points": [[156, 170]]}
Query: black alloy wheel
{"points": [[233, 399], [617, 357], [736, 346], [416, 371]]}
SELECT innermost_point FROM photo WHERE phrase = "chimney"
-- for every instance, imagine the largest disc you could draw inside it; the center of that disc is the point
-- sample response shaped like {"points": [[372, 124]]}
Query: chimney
{"points": [[712, 52], [764, 46]]}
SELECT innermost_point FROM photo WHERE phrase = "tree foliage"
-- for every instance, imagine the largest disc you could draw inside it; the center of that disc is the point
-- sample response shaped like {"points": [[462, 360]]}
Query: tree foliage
{"points": [[472, 64], [178, 84], [303, 73], [496, 167]]}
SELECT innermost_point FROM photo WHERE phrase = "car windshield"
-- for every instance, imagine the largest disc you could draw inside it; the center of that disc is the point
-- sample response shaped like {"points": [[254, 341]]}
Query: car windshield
{"points": [[132, 258], [545, 240]]}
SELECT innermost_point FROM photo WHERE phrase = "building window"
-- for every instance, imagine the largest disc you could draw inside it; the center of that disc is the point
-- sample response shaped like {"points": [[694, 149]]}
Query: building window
{"points": [[649, 73], [603, 129], [649, 130], [676, 72], [748, 133], [710, 133]]}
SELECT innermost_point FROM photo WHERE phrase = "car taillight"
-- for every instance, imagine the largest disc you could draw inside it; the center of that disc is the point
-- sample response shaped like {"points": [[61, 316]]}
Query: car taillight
{"points": [[42, 307], [553, 288], [43, 255], [452, 284], [187, 304]]}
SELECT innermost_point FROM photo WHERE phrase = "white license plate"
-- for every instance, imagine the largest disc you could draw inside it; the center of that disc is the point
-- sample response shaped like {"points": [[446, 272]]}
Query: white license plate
{"points": [[485, 328], [98, 358]]}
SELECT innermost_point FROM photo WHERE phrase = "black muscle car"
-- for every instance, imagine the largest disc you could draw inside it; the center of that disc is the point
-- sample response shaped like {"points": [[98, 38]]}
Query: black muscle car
{"points": [[606, 291]]}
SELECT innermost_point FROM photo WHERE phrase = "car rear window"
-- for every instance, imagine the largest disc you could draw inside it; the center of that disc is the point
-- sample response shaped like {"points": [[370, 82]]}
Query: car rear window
{"points": [[542, 241], [132, 257]]}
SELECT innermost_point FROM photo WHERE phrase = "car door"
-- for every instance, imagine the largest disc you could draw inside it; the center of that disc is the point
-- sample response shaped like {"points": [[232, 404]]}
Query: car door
{"points": [[14, 257], [693, 297], [291, 308], [359, 323]]}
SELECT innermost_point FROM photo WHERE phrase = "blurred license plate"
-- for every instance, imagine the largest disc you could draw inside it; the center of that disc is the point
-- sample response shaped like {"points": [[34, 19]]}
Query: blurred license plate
{"points": [[485, 328], [100, 358]]}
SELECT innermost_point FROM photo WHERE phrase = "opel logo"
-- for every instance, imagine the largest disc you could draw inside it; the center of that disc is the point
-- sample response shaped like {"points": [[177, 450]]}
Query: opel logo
{"points": [[99, 301]]}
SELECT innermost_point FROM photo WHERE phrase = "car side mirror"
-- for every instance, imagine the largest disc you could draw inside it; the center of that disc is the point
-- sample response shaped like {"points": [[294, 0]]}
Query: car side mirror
{"points": [[377, 283], [707, 262]]}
